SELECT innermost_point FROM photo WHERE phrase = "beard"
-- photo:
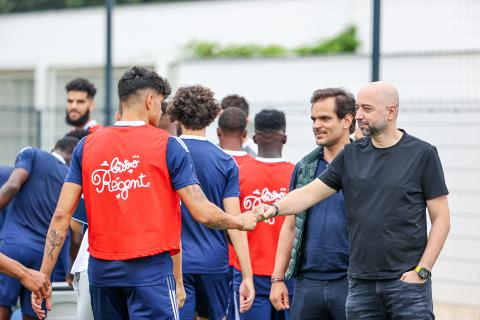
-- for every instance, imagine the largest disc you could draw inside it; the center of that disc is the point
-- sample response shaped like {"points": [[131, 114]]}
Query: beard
{"points": [[80, 122], [374, 129]]}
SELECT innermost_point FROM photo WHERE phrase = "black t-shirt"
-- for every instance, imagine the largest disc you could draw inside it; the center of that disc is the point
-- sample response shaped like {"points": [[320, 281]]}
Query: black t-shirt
{"points": [[385, 192]]}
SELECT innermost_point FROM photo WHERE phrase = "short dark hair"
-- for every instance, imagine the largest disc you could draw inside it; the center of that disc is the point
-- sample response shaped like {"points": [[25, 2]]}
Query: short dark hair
{"points": [[66, 144], [236, 101], [81, 84], [78, 133], [270, 120], [194, 107], [233, 120], [164, 106], [344, 102], [139, 78]]}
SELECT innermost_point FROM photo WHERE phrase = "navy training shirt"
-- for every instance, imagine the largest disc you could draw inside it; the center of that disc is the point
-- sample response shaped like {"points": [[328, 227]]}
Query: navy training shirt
{"points": [[324, 254], [32, 208], [147, 270], [5, 172], [205, 250]]}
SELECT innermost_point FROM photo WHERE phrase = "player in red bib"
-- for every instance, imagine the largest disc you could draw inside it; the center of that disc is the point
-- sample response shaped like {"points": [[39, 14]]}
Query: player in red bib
{"points": [[266, 179], [132, 176], [231, 132]]}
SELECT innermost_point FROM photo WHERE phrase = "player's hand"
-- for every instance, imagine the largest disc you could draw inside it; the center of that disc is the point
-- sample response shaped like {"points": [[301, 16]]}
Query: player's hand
{"points": [[263, 212], [279, 296], [37, 303], [35, 281], [181, 295], [249, 221], [411, 277], [247, 294]]}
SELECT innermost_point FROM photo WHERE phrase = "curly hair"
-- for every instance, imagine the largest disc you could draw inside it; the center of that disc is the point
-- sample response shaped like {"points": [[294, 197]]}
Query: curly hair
{"points": [[270, 120], [139, 78], [82, 85], [194, 107], [236, 101]]}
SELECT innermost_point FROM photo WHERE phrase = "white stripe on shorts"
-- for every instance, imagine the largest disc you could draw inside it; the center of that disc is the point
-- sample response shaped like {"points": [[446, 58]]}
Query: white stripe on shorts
{"points": [[173, 298]]}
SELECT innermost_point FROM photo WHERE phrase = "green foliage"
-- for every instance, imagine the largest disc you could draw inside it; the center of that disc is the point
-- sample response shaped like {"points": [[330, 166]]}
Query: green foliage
{"points": [[346, 41]]}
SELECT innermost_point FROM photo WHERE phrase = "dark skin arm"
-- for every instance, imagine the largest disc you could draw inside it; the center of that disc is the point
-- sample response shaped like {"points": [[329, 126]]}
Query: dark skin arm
{"points": [[14, 183]]}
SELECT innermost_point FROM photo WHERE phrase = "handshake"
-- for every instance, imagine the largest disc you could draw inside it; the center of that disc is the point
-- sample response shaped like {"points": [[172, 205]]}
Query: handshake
{"points": [[258, 213]]}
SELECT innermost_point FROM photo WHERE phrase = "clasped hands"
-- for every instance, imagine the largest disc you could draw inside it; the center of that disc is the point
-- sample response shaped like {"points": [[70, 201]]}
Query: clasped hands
{"points": [[263, 212]]}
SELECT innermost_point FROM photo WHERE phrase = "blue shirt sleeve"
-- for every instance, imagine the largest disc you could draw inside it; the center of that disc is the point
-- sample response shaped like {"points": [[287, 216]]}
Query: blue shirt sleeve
{"points": [[74, 174], [180, 164], [232, 188], [25, 159]]}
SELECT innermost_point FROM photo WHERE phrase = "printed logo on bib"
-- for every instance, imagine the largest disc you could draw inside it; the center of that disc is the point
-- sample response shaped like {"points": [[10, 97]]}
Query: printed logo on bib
{"points": [[265, 196], [107, 179]]}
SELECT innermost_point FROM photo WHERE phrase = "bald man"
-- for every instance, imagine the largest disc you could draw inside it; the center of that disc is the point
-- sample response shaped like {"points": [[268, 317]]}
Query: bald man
{"points": [[389, 179]]}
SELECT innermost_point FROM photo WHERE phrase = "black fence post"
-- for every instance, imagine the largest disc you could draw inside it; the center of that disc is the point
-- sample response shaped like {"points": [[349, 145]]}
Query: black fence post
{"points": [[376, 41]]}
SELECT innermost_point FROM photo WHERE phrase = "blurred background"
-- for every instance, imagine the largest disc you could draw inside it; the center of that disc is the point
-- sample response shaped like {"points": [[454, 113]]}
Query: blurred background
{"points": [[275, 53]]}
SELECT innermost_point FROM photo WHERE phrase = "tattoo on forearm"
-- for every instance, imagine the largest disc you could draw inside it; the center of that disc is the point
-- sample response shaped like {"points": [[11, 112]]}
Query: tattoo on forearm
{"points": [[197, 193], [54, 239]]}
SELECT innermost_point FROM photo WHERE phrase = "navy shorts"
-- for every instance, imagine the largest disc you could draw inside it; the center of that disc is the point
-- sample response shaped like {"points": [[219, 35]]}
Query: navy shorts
{"points": [[261, 308], [10, 288], [207, 296], [142, 303]]}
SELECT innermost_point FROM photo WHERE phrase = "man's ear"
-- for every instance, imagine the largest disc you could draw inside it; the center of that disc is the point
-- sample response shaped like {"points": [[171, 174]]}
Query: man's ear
{"points": [[284, 140], [347, 121], [254, 138], [92, 105], [244, 134], [392, 112], [149, 100], [219, 132]]}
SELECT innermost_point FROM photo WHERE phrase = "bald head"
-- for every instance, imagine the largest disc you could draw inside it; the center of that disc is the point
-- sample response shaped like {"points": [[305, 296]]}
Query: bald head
{"points": [[384, 92], [377, 108]]}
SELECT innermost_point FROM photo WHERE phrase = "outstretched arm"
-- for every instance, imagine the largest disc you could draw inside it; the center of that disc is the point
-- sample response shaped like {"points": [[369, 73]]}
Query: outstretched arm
{"points": [[297, 201], [205, 212]]}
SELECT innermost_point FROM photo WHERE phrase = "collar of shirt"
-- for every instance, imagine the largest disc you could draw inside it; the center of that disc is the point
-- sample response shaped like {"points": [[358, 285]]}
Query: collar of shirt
{"points": [[270, 160], [129, 123], [90, 124], [59, 157], [186, 136], [235, 153]]}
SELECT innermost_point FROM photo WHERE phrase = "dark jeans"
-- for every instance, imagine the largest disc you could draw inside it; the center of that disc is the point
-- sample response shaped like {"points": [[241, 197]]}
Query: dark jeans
{"points": [[318, 299], [389, 299]]}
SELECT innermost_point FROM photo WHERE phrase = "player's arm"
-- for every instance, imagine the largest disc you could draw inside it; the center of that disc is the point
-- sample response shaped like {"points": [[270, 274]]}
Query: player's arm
{"points": [[205, 212], [297, 201], [33, 280], [12, 186], [240, 243], [279, 291], [57, 232], [177, 273]]}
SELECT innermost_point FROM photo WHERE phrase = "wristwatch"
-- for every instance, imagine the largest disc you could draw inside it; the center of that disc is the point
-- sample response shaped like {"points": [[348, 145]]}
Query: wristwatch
{"points": [[423, 273], [277, 209]]}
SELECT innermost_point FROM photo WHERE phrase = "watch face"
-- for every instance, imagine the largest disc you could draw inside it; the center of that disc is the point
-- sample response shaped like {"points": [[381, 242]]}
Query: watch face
{"points": [[424, 273]]}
